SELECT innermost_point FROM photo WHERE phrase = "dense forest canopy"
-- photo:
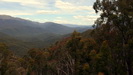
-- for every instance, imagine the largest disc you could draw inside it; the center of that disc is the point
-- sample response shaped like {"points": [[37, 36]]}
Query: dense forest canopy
{"points": [[105, 50]]}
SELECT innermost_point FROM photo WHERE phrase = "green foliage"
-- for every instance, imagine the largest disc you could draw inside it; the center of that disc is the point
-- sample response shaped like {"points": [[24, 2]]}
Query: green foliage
{"points": [[116, 18], [105, 50]]}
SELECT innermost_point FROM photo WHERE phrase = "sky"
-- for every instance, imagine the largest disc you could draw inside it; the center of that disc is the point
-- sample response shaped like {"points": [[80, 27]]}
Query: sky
{"points": [[79, 12]]}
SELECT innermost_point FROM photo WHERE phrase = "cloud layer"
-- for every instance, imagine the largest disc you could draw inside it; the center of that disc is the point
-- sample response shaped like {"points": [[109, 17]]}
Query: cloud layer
{"points": [[60, 11]]}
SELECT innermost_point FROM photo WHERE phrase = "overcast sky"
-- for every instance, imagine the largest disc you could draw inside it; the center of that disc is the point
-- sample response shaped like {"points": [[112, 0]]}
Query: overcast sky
{"points": [[60, 11]]}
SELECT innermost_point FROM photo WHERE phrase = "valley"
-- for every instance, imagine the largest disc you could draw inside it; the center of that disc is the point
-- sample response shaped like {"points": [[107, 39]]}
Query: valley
{"points": [[21, 35]]}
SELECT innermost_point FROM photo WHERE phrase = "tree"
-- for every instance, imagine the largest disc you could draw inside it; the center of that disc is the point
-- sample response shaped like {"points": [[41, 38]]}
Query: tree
{"points": [[5, 54], [75, 50], [80, 48], [118, 15]]}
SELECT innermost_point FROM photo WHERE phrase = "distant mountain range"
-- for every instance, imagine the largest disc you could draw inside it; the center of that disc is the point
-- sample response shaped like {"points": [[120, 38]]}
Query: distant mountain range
{"points": [[29, 34], [20, 27], [74, 25]]}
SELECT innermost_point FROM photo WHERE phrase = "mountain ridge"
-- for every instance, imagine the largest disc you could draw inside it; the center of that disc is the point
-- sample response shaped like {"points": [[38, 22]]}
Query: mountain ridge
{"points": [[21, 34]]}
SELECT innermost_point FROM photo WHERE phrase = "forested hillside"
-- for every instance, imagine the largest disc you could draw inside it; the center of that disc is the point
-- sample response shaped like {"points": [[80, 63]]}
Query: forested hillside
{"points": [[105, 50], [20, 35]]}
